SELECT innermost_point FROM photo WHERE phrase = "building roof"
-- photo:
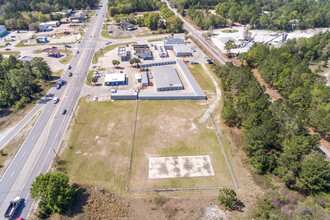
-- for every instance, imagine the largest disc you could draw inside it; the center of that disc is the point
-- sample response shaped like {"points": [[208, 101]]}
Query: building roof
{"points": [[173, 41], [166, 76], [144, 78], [181, 48], [41, 38], [138, 76], [116, 77], [122, 51], [189, 77], [26, 58]]}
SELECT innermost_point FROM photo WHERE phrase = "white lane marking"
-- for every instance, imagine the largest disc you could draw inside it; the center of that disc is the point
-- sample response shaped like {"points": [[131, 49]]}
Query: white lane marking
{"points": [[12, 174]]}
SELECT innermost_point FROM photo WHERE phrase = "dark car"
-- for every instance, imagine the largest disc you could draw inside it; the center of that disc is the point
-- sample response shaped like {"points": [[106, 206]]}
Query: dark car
{"points": [[70, 74], [63, 112], [58, 86], [69, 67]]}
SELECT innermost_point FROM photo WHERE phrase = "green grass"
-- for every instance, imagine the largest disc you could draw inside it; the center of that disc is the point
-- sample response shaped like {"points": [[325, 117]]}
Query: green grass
{"points": [[156, 39], [170, 128], [58, 72], [202, 78], [89, 77], [13, 53], [107, 49], [2, 46], [37, 51], [101, 137], [229, 31], [106, 35], [67, 59]]}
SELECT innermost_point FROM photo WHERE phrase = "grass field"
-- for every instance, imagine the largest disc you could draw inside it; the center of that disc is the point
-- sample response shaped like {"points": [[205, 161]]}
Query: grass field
{"points": [[201, 77], [67, 59], [107, 49], [170, 128], [156, 39], [100, 144], [106, 35], [229, 31], [13, 53]]}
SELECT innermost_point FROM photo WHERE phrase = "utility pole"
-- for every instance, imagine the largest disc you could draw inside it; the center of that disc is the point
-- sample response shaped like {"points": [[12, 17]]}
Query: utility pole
{"points": [[57, 157], [75, 120]]}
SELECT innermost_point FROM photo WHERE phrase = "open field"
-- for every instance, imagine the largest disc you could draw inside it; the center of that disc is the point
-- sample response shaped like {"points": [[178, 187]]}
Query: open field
{"points": [[170, 128], [156, 39], [202, 78], [101, 137]]}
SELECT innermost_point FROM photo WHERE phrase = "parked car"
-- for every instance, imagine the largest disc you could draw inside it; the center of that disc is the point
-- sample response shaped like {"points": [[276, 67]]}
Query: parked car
{"points": [[96, 98], [68, 46], [7, 49], [70, 74], [63, 112]]}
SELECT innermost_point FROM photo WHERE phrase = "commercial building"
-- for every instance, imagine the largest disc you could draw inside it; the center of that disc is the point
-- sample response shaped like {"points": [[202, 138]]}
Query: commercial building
{"points": [[161, 51], [160, 63], [78, 16], [181, 50], [115, 79], [53, 23], [166, 78], [169, 42], [123, 53], [44, 27], [144, 79], [3, 30], [124, 95], [143, 51], [127, 26]]}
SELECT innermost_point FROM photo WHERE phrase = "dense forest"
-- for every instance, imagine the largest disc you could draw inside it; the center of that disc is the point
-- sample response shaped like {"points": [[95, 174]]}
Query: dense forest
{"points": [[21, 82], [276, 137], [263, 14], [20, 14], [130, 6]]}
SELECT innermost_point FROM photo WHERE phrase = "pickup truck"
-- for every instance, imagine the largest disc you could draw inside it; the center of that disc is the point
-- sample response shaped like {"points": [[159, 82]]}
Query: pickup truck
{"points": [[13, 207]]}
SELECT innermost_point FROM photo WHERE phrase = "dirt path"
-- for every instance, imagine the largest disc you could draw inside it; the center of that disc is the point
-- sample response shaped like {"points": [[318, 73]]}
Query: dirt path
{"points": [[274, 95], [211, 108]]}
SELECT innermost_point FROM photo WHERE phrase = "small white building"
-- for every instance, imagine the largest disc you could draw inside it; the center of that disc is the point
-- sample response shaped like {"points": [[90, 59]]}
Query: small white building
{"points": [[115, 79], [138, 77], [44, 27], [161, 51], [181, 50], [53, 23]]}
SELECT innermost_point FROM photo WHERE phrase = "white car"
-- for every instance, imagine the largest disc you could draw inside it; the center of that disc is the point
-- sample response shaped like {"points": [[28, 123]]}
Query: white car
{"points": [[96, 98]]}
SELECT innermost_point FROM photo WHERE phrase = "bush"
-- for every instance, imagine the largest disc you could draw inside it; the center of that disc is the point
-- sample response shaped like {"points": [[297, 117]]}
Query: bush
{"points": [[227, 198]]}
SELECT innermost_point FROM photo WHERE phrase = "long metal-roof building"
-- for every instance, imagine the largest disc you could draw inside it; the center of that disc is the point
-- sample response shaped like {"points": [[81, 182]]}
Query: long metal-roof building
{"points": [[166, 78]]}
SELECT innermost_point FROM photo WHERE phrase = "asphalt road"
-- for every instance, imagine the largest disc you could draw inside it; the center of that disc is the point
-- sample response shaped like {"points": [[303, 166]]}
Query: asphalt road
{"points": [[37, 151]]}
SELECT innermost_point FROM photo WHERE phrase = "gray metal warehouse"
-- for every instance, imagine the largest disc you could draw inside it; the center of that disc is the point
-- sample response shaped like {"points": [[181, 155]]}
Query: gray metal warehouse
{"points": [[166, 78]]}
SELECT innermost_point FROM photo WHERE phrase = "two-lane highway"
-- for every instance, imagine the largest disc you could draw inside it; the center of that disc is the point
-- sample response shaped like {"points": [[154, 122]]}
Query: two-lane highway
{"points": [[37, 152]]}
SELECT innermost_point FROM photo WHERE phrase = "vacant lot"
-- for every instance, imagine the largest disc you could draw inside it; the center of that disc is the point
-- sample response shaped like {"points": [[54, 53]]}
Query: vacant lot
{"points": [[202, 78], [170, 128], [100, 144]]}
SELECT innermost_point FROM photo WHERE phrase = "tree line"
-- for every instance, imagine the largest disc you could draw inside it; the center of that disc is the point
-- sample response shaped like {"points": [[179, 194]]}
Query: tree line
{"points": [[165, 21], [277, 15], [261, 14], [287, 70], [21, 82], [275, 139], [130, 6], [26, 14]]}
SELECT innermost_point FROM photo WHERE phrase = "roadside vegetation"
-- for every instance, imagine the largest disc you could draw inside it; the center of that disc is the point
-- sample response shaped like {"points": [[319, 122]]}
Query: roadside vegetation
{"points": [[275, 15], [12, 53], [67, 59], [21, 83], [27, 14]]}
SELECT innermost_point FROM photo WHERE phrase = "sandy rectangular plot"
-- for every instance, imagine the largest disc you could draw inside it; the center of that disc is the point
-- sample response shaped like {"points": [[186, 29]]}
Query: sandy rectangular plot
{"points": [[184, 166]]}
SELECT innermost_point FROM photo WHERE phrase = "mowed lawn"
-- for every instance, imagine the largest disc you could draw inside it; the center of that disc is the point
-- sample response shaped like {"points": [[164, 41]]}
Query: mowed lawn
{"points": [[100, 144], [170, 128], [201, 77]]}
